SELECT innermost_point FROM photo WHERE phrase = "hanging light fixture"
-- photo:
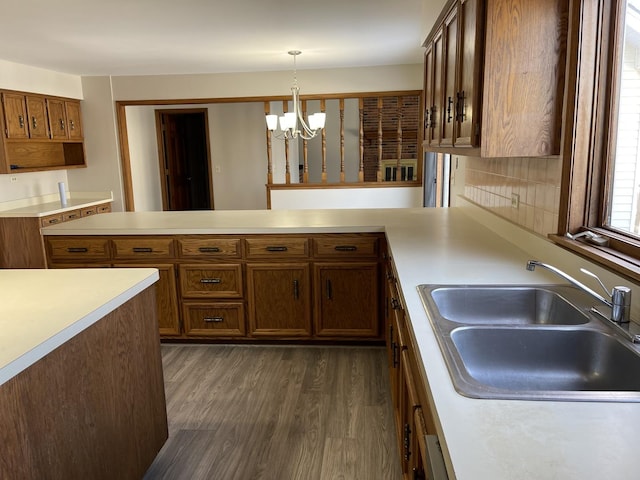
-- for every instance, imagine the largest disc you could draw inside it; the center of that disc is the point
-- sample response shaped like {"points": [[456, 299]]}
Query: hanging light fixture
{"points": [[292, 125]]}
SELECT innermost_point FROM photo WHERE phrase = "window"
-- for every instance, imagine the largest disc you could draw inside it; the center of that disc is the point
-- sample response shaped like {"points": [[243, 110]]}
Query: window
{"points": [[601, 148]]}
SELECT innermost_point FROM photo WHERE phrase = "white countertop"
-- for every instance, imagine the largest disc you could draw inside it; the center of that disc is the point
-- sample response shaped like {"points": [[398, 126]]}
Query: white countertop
{"points": [[50, 204], [485, 439], [42, 309]]}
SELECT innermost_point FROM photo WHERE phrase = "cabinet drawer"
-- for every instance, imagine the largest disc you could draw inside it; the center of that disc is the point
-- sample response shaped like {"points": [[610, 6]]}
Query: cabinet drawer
{"points": [[142, 247], [69, 248], [341, 246], [209, 247], [104, 208], [88, 211], [214, 319], [223, 281], [72, 215], [51, 220], [270, 247]]}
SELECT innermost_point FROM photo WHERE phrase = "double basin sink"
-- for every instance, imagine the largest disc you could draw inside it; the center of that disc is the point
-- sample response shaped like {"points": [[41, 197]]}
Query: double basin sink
{"points": [[530, 343]]}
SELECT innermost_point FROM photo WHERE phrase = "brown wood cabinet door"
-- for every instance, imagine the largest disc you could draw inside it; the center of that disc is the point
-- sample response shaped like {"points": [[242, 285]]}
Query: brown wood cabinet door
{"points": [[450, 35], [57, 119], [166, 297], [469, 89], [37, 117], [15, 115], [74, 120], [428, 92], [346, 299], [438, 91], [279, 300]]}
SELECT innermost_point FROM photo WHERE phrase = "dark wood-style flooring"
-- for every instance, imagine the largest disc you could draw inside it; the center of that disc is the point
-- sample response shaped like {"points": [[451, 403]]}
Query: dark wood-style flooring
{"points": [[277, 413]]}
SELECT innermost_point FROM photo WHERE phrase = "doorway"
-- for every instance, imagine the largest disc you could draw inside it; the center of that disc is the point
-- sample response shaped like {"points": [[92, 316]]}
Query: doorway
{"points": [[184, 155]]}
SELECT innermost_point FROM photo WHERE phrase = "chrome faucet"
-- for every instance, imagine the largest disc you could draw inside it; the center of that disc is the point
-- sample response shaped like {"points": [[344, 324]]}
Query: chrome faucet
{"points": [[620, 302]]}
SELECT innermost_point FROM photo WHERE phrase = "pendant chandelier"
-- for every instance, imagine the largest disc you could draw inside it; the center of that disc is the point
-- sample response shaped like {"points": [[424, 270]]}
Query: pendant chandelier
{"points": [[292, 125]]}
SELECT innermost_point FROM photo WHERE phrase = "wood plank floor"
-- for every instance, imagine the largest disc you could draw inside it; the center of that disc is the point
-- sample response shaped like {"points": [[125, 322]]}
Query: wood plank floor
{"points": [[277, 413]]}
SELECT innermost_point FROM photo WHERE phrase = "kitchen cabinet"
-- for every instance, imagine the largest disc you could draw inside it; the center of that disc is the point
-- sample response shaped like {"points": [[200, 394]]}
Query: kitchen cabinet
{"points": [[279, 299], [346, 299], [22, 243], [37, 117], [410, 402], [248, 286], [525, 54], [166, 296], [212, 303], [40, 133], [501, 65], [15, 115]]}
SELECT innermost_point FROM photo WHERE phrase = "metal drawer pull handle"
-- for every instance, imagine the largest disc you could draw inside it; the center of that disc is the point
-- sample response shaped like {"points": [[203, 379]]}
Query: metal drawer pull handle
{"points": [[142, 249], [277, 249], [210, 280], [61, 124], [213, 319], [21, 121], [329, 290], [34, 123], [77, 249], [346, 248], [72, 124], [296, 289], [53, 220], [208, 249]]}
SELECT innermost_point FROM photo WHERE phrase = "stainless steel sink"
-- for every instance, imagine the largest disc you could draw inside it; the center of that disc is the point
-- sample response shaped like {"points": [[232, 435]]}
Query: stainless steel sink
{"points": [[506, 305], [530, 343]]}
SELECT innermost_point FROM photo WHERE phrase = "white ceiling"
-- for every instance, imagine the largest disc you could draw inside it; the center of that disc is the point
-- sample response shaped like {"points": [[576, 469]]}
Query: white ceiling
{"points": [[151, 37]]}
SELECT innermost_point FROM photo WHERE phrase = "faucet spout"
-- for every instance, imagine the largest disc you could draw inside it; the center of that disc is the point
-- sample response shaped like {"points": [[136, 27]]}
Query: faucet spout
{"points": [[620, 303]]}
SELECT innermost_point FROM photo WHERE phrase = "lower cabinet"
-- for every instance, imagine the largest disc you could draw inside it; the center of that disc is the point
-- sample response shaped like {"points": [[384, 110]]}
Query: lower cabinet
{"points": [[323, 287], [166, 297], [346, 299], [218, 319], [412, 413], [279, 299]]}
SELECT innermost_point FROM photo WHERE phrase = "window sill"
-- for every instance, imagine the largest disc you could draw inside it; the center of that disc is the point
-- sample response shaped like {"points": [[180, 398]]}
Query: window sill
{"points": [[610, 258]]}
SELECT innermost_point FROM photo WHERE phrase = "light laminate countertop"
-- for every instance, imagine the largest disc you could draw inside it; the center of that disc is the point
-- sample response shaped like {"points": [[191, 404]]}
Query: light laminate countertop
{"points": [[485, 439], [42, 309], [50, 204]]}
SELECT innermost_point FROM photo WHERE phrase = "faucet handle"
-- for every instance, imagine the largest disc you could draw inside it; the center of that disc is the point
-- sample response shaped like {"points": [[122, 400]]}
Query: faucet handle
{"points": [[591, 274]]}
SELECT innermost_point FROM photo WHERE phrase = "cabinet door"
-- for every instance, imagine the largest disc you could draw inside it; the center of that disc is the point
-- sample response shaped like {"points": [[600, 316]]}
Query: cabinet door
{"points": [[57, 119], [37, 117], [525, 53], [450, 58], [428, 93], [15, 115], [279, 300], [166, 297], [74, 120], [468, 114], [438, 100], [346, 299]]}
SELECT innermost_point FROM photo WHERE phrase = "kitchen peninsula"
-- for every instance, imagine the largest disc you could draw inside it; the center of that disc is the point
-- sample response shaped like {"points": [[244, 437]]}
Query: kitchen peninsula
{"points": [[496, 439], [81, 384]]}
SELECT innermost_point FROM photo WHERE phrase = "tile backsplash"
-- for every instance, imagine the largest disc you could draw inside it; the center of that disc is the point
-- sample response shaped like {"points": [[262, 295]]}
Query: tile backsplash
{"points": [[534, 182]]}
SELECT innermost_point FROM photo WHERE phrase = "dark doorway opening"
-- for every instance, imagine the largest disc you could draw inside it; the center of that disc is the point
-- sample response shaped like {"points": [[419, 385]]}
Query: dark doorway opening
{"points": [[183, 146]]}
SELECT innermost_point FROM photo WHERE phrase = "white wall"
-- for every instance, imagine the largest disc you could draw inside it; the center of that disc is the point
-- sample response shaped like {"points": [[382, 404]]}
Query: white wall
{"points": [[304, 199], [14, 76], [103, 172]]}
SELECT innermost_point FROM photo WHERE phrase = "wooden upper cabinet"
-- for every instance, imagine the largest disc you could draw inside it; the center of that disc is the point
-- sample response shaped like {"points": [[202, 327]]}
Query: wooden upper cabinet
{"points": [[469, 89], [74, 120], [37, 117], [15, 115], [503, 83], [525, 58], [57, 119], [428, 93], [450, 57], [437, 95]]}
